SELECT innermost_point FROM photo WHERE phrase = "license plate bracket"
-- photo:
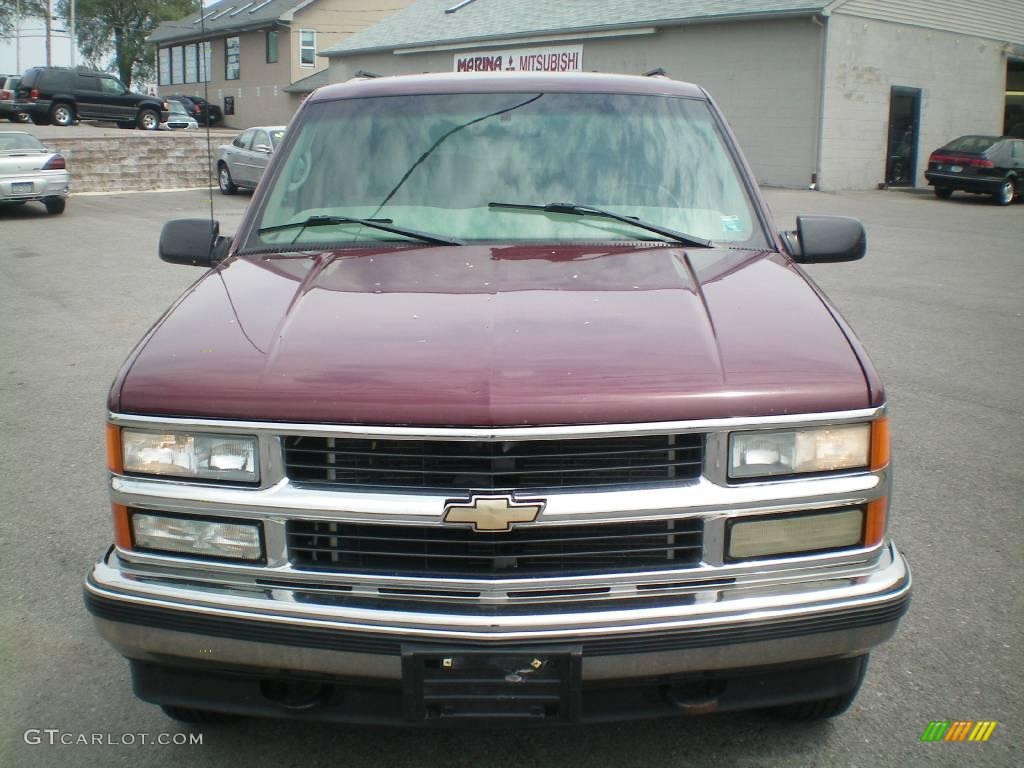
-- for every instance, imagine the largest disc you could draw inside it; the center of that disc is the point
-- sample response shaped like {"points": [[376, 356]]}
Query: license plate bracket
{"points": [[521, 685], [21, 188]]}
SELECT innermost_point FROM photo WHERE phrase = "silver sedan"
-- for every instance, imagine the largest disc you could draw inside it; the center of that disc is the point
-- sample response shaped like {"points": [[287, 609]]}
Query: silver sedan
{"points": [[29, 171], [242, 162]]}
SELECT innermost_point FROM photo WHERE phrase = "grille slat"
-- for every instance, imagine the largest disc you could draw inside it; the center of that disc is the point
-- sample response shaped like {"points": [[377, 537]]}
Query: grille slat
{"points": [[454, 465], [574, 539], [527, 551]]}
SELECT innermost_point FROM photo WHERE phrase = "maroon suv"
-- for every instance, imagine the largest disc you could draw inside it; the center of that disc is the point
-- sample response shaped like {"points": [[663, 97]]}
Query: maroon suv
{"points": [[508, 402]]}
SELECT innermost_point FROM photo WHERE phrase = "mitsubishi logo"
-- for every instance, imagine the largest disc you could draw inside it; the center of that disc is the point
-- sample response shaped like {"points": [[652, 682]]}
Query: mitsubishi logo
{"points": [[493, 514]]}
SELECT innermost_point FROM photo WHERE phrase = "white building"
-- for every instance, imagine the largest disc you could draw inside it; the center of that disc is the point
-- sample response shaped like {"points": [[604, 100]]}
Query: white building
{"points": [[845, 93]]}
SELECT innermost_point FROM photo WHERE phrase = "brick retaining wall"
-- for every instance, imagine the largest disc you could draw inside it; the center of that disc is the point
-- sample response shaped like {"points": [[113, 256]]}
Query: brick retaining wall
{"points": [[137, 161]]}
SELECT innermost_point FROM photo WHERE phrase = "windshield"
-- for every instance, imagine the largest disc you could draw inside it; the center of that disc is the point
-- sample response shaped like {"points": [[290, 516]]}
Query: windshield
{"points": [[276, 136], [12, 142], [435, 162]]}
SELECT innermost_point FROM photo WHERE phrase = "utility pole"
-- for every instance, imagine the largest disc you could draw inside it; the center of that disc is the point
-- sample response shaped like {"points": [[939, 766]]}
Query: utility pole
{"points": [[17, 37], [74, 40], [49, 30]]}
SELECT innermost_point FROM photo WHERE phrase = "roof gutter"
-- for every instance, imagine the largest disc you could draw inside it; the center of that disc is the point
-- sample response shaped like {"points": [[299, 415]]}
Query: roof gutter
{"points": [[821, 21], [575, 33]]}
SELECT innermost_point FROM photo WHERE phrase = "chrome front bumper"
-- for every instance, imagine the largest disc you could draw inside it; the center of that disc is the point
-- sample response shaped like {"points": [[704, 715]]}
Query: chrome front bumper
{"points": [[174, 620]]}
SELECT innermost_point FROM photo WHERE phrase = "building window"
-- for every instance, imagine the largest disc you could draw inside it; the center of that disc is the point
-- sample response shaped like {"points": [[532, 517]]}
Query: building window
{"points": [[272, 46], [205, 61], [177, 65], [232, 66], [191, 64], [307, 48], [164, 65]]}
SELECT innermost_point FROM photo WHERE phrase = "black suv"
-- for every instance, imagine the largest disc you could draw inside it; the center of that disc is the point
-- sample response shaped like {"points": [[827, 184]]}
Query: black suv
{"points": [[61, 96], [198, 108]]}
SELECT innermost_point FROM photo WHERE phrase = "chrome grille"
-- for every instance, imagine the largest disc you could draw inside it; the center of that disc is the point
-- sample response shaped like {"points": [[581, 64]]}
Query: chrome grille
{"points": [[499, 465], [531, 550]]}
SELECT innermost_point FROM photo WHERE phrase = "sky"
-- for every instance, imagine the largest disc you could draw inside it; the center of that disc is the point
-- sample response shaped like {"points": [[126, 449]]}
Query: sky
{"points": [[33, 47]]}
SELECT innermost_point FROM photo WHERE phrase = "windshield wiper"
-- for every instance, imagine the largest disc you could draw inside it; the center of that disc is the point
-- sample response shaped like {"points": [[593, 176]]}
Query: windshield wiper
{"points": [[384, 225], [588, 210]]}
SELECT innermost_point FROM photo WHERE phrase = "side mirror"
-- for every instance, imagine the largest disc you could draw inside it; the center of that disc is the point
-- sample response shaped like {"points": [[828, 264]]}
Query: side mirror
{"points": [[195, 242], [264, 148], [824, 239]]}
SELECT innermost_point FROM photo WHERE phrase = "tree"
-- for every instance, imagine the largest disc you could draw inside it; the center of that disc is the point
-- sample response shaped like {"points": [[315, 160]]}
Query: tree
{"points": [[116, 31], [11, 9]]}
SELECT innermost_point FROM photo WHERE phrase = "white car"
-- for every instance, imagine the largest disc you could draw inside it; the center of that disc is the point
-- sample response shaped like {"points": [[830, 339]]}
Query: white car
{"points": [[242, 162], [30, 172], [178, 118]]}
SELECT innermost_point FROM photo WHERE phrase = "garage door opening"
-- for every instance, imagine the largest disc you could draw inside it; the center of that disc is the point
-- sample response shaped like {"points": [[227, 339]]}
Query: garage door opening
{"points": [[904, 126], [1013, 116]]}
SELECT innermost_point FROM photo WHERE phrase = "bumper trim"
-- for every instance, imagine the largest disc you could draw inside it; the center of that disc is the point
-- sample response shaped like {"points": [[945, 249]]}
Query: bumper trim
{"points": [[277, 694], [117, 611]]}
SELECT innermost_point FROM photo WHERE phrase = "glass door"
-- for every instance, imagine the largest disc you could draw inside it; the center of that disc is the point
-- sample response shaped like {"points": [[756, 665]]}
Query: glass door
{"points": [[904, 128]]}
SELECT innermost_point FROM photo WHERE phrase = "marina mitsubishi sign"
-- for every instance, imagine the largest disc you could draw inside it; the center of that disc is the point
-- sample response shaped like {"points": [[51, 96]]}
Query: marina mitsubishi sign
{"points": [[568, 58]]}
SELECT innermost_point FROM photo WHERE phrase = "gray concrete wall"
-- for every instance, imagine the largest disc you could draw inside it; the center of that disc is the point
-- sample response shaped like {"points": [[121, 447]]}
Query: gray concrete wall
{"points": [[764, 76], [962, 79]]}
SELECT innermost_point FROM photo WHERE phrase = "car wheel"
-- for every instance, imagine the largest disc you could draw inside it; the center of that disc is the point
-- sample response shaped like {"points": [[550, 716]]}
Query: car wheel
{"points": [[943, 193], [62, 114], [196, 716], [227, 186], [149, 120], [819, 709], [55, 205], [1007, 191]]}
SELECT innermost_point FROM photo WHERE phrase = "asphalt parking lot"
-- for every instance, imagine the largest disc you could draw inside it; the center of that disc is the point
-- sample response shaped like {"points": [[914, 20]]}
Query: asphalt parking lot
{"points": [[939, 303]]}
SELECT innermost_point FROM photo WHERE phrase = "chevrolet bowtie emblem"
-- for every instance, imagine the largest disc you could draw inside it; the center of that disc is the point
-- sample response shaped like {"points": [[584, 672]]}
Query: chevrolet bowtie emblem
{"points": [[492, 513]]}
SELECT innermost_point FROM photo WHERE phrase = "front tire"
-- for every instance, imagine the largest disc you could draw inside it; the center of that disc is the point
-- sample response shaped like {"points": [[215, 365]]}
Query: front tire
{"points": [[943, 193], [55, 205], [1007, 191], [148, 120], [62, 114], [224, 181]]}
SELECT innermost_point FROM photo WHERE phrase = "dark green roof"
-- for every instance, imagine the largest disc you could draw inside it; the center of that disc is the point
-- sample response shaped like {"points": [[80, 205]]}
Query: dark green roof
{"points": [[427, 23], [308, 84], [222, 18]]}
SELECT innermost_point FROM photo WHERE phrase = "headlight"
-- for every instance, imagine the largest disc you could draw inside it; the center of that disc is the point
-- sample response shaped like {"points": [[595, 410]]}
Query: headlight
{"points": [[195, 536], [795, 451], [202, 456]]}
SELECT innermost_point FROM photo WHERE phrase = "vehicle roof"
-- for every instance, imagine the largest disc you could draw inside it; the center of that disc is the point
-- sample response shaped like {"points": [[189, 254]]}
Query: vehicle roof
{"points": [[508, 82], [264, 128]]}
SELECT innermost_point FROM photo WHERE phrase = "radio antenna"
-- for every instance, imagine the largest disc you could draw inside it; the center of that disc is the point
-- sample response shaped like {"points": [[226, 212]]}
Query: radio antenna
{"points": [[206, 97]]}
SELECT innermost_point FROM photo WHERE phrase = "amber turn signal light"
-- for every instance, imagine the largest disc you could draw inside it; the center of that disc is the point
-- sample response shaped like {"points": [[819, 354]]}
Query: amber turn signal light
{"points": [[122, 531], [879, 443], [874, 524], [114, 456]]}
